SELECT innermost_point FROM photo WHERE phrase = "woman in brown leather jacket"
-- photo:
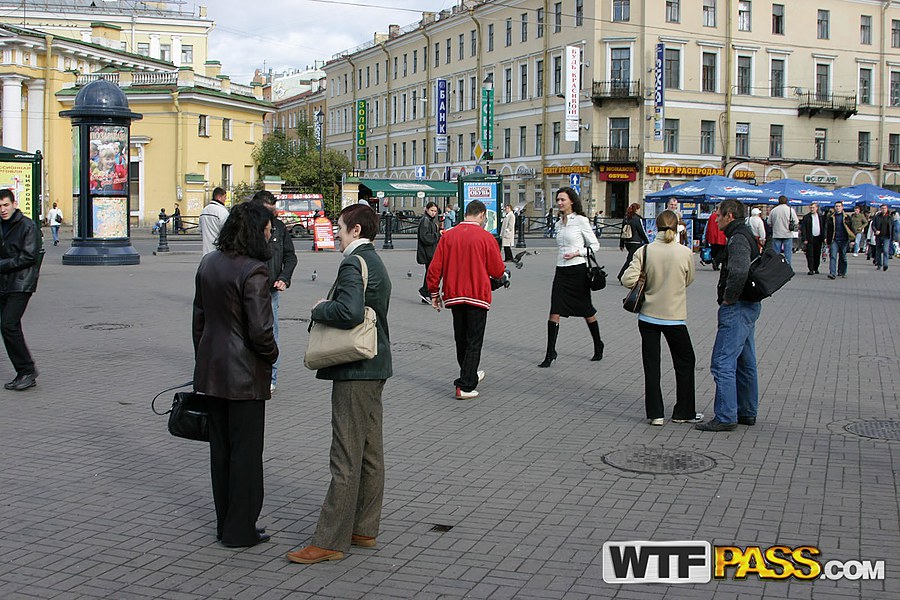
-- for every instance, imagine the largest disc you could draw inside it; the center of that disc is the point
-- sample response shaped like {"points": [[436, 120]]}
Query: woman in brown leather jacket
{"points": [[234, 349]]}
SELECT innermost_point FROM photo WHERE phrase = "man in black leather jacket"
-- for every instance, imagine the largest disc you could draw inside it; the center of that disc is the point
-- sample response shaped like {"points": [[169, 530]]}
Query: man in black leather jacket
{"points": [[19, 249], [281, 264]]}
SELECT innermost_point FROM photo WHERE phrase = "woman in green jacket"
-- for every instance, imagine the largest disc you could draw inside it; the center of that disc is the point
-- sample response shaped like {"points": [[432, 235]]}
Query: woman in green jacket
{"points": [[352, 509]]}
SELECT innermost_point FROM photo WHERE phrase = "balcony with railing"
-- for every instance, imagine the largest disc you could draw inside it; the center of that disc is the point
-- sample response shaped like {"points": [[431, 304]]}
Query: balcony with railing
{"points": [[835, 106], [183, 78], [606, 91], [616, 155]]}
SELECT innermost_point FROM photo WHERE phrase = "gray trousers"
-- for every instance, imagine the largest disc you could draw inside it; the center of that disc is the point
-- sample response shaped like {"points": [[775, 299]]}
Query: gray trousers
{"points": [[353, 502]]}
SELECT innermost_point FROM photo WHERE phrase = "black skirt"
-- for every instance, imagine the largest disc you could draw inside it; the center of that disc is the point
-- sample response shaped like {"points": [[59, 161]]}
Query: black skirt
{"points": [[571, 296]]}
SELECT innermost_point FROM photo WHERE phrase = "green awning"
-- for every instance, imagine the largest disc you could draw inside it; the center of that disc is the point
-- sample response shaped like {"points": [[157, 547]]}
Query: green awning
{"points": [[408, 188]]}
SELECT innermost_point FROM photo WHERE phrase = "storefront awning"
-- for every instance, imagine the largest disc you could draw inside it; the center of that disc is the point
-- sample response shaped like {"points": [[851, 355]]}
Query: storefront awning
{"points": [[395, 188]]}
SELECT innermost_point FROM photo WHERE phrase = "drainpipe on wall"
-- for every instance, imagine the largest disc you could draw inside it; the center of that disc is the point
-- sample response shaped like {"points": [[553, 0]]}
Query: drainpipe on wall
{"points": [[179, 144], [388, 115], [726, 121], [544, 98], [354, 82], [430, 93], [885, 79], [48, 88]]}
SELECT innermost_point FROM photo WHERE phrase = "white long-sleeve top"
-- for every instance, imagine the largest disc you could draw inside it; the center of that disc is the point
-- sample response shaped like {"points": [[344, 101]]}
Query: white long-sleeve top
{"points": [[575, 235]]}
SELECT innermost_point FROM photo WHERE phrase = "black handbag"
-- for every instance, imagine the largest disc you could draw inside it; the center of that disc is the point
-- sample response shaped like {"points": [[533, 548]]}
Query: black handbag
{"points": [[596, 276], [635, 298], [189, 415]]}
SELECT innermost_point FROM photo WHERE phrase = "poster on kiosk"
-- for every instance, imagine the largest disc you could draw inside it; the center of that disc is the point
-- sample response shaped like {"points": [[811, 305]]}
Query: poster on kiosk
{"points": [[486, 189]]}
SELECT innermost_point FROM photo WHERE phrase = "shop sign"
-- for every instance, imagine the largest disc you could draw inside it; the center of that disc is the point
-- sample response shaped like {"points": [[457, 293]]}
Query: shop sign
{"points": [[692, 171], [580, 169]]}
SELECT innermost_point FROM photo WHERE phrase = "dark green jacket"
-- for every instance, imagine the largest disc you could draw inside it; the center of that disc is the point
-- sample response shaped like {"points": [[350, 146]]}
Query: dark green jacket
{"points": [[345, 310]]}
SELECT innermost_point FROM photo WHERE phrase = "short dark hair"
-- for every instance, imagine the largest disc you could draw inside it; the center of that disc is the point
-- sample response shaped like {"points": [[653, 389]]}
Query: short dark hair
{"points": [[577, 208], [218, 192], [6, 194], [362, 215], [475, 207], [263, 197], [732, 207], [430, 205], [782, 199], [243, 231]]}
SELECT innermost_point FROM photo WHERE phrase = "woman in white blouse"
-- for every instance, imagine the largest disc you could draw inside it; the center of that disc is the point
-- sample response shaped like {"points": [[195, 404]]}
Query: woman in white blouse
{"points": [[571, 296]]}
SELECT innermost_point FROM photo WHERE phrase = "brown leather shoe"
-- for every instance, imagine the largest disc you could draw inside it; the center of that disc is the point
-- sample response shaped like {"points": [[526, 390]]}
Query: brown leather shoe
{"points": [[363, 541], [313, 554]]}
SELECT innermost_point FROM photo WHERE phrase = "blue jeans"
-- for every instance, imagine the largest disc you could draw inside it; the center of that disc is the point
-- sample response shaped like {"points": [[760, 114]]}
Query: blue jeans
{"points": [[784, 246], [882, 250], [275, 295], [733, 362], [838, 258], [859, 243], [54, 229]]}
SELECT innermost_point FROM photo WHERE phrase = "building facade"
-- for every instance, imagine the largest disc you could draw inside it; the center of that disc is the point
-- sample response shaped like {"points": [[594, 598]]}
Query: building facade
{"points": [[669, 91]]}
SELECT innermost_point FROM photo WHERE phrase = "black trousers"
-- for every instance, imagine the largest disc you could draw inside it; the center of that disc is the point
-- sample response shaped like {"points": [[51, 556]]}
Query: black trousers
{"points": [[12, 307], [814, 253], [632, 247], [468, 331], [235, 455], [682, 351], [508, 254], [423, 291]]}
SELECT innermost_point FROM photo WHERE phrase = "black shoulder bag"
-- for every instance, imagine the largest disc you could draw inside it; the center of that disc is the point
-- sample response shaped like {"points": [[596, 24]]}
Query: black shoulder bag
{"points": [[635, 298], [189, 415]]}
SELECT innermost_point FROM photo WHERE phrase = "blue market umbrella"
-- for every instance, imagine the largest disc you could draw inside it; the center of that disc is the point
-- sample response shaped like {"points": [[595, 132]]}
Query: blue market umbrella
{"points": [[868, 194], [798, 192], [714, 188]]}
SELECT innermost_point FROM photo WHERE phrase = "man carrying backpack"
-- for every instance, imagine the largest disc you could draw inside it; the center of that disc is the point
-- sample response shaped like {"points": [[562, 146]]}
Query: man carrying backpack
{"points": [[733, 362]]}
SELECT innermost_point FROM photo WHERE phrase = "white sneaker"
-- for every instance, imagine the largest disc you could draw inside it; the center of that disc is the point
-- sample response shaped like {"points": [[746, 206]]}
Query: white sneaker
{"points": [[461, 395], [272, 387], [481, 375], [856, 254], [658, 422], [697, 419]]}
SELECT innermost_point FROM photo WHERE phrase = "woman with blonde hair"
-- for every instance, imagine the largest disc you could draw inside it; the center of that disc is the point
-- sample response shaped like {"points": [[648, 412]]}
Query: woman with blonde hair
{"points": [[669, 269]]}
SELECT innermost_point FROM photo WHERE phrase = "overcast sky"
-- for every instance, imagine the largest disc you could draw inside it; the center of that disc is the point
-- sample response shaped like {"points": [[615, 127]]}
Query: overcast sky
{"points": [[286, 34]]}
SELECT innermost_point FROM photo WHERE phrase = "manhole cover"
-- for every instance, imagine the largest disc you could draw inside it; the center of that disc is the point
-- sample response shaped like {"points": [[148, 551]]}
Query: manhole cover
{"points": [[107, 326], [410, 347], [879, 429], [659, 461]]}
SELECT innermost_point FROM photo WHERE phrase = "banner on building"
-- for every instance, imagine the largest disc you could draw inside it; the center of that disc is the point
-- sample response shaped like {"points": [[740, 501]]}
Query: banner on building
{"points": [[440, 142], [487, 121], [573, 88], [361, 124], [659, 92], [317, 132]]}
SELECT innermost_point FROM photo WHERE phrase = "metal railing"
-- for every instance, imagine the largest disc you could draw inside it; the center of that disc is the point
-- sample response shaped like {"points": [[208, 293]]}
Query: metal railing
{"points": [[609, 154], [616, 89], [813, 102]]}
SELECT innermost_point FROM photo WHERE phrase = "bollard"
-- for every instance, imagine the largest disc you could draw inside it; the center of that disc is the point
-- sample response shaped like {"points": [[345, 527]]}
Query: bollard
{"points": [[520, 230], [163, 238], [388, 230]]}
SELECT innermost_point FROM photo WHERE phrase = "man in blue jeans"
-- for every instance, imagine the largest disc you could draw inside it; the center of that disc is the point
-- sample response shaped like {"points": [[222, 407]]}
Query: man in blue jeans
{"points": [[733, 363], [882, 225], [838, 233]]}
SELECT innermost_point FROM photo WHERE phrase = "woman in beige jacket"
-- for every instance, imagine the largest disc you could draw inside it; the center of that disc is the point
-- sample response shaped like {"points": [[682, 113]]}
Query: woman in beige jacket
{"points": [[669, 270]]}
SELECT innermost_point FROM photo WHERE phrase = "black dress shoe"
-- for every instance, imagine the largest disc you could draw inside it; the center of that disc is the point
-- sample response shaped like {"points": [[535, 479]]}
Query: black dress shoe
{"points": [[750, 421], [715, 425], [260, 538], [24, 382], [12, 384], [259, 531]]}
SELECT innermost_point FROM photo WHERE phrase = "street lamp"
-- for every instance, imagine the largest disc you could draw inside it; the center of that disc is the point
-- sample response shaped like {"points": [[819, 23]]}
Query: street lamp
{"points": [[487, 116], [320, 129]]}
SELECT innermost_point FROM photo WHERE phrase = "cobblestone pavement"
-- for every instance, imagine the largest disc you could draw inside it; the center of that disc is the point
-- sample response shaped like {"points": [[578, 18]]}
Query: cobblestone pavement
{"points": [[98, 501]]}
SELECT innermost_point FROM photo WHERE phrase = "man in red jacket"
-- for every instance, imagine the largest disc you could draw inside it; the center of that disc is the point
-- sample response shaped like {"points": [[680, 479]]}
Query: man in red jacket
{"points": [[466, 258]]}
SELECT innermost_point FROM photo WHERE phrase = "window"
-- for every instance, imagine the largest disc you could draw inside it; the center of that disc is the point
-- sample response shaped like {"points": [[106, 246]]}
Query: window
{"points": [[742, 139], [618, 133], [707, 137], [895, 88], [524, 32], [539, 78], [415, 65], [395, 67], [523, 81], [462, 46], [460, 95], [744, 75], [823, 77], [403, 106], [776, 78], [778, 19], [863, 146], [865, 29], [822, 21], [540, 23], [403, 153], [507, 85], [865, 86], [473, 93], [670, 135], [369, 73], [538, 139], [415, 152], [449, 48], [226, 177], [226, 129], [557, 74], [473, 35], [673, 68], [459, 147], [165, 52], [377, 73], [143, 48], [579, 13], [557, 17], [620, 65], [821, 139], [415, 106], [472, 145], [894, 148], [522, 140], [709, 13], [554, 145], [394, 108], [744, 15], [187, 54], [405, 65], [895, 34], [203, 126], [621, 10], [507, 135], [673, 11], [490, 44], [509, 32], [776, 141], [708, 76]]}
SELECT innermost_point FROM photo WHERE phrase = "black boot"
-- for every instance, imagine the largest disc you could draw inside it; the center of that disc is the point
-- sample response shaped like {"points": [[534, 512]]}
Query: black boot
{"points": [[598, 343], [552, 333]]}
